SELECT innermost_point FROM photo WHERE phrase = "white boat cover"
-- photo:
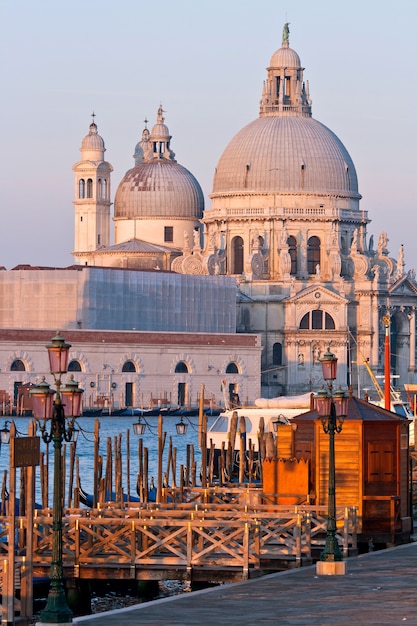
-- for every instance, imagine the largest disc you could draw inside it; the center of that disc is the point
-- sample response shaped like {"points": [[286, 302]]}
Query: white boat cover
{"points": [[285, 402]]}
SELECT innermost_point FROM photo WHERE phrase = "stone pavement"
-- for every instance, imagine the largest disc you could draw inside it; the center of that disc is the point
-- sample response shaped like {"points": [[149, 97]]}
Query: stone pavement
{"points": [[378, 588]]}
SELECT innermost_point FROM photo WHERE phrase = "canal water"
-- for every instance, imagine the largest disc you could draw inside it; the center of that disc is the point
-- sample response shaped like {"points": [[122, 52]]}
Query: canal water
{"points": [[111, 427]]}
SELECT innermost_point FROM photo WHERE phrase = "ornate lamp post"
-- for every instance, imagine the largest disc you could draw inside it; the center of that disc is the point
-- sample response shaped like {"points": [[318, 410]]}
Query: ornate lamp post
{"points": [[332, 409], [52, 414]]}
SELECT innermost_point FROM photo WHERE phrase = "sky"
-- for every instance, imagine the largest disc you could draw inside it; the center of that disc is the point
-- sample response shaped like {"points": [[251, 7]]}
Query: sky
{"points": [[205, 61]]}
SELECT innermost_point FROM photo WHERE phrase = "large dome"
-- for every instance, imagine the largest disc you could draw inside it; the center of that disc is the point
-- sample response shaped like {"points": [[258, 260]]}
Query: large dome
{"points": [[159, 188], [286, 154]]}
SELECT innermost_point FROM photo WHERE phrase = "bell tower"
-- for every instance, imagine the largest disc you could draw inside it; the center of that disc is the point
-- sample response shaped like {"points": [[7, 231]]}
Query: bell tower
{"points": [[92, 198]]}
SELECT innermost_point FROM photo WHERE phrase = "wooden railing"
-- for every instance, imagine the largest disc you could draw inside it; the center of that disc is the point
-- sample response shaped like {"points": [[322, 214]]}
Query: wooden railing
{"points": [[205, 540], [190, 536]]}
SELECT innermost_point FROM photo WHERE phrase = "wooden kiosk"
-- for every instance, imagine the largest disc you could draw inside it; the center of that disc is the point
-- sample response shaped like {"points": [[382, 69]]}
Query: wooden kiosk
{"points": [[372, 468]]}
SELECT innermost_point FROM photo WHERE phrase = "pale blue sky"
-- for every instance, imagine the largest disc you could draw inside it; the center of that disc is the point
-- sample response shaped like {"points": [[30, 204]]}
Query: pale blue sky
{"points": [[205, 61]]}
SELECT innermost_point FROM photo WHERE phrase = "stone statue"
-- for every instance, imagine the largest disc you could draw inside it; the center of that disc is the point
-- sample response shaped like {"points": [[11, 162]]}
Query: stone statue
{"points": [[283, 240], [196, 238], [255, 239], [316, 354], [354, 244], [286, 33], [186, 240], [382, 243], [160, 115], [400, 261]]}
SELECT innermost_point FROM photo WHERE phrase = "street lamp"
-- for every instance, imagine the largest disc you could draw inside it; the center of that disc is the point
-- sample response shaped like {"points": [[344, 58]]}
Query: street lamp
{"points": [[5, 433], [51, 409], [332, 409]]}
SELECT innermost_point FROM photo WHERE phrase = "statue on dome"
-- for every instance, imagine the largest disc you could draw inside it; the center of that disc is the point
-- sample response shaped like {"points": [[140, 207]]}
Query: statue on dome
{"points": [[160, 115], [286, 33]]}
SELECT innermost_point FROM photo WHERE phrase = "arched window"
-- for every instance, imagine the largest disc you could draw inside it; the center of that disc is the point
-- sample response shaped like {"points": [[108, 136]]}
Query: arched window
{"points": [[181, 368], [129, 366], [102, 188], [89, 188], [232, 368], [317, 320], [313, 254], [292, 250], [81, 188], [277, 354], [237, 255], [17, 366], [74, 366]]}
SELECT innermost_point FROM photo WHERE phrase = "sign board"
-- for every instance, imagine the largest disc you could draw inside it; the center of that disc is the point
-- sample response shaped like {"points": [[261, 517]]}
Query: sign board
{"points": [[25, 451]]}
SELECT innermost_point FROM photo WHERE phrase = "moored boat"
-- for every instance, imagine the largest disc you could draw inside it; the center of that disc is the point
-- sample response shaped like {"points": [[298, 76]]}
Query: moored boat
{"points": [[272, 411], [239, 428]]}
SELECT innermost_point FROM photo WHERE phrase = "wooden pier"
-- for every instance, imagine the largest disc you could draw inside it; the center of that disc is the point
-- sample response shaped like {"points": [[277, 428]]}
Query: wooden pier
{"points": [[205, 539]]}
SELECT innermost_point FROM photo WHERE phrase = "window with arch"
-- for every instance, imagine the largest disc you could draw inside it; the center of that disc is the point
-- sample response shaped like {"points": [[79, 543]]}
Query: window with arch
{"points": [[232, 368], [317, 320], [81, 188], [89, 188], [313, 254], [17, 366], [74, 366], [181, 368], [292, 250], [102, 188], [277, 354], [129, 366], [237, 255]]}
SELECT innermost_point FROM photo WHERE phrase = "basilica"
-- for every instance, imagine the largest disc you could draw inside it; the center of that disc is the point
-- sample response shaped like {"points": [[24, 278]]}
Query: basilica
{"points": [[246, 294], [284, 221]]}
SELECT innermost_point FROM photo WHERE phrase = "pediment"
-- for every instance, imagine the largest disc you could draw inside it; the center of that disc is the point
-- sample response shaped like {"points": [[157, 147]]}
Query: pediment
{"points": [[315, 295], [403, 287]]}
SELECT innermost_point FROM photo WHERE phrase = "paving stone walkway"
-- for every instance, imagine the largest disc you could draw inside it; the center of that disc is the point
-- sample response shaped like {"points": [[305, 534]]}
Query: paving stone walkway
{"points": [[378, 588]]}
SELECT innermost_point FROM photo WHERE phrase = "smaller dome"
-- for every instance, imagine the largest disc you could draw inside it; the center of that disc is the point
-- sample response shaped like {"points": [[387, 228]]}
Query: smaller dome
{"points": [[285, 57], [93, 141], [159, 188], [160, 131]]}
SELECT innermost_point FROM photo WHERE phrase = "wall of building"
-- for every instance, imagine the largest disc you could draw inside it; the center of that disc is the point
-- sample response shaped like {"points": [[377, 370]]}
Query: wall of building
{"points": [[102, 356]]}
